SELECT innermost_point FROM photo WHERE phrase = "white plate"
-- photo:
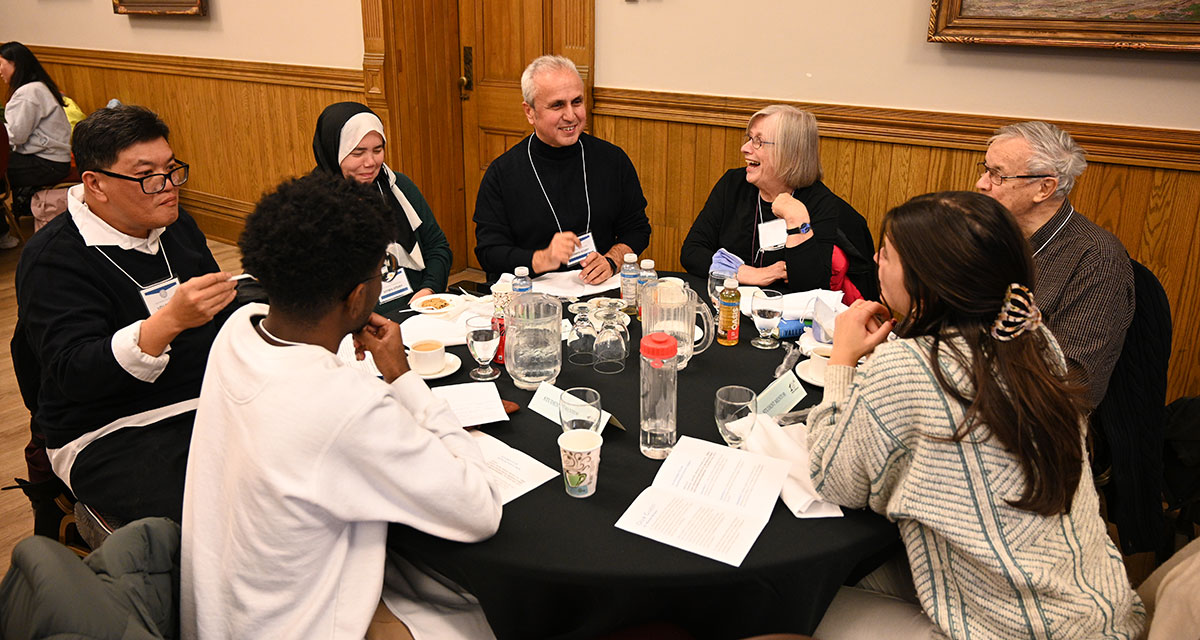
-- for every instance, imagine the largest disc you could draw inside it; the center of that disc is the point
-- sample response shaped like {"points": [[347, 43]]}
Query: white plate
{"points": [[812, 371], [452, 364], [452, 302]]}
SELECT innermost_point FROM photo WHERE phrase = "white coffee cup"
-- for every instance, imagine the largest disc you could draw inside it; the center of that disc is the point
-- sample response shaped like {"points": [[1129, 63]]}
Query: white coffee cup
{"points": [[427, 357]]}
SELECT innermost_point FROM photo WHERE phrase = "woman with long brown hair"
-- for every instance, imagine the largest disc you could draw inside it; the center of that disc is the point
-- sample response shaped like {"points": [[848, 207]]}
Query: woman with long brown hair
{"points": [[39, 134], [969, 434]]}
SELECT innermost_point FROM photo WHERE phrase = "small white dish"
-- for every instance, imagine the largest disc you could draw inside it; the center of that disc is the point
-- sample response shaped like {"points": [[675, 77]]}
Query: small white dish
{"points": [[452, 364], [811, 371], [437, 303]]}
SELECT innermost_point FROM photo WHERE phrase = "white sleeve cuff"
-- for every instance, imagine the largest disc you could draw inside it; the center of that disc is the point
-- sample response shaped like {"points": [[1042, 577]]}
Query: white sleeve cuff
{"points": [[130, 356]]}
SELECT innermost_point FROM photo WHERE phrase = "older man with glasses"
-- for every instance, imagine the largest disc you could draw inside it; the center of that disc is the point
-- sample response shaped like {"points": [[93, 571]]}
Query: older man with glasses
{"points": [[117, 306], [1084, 278]]}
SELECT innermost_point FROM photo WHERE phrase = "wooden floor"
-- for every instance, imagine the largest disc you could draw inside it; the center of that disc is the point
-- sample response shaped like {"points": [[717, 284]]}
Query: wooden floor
{"points": [[16, 517]]}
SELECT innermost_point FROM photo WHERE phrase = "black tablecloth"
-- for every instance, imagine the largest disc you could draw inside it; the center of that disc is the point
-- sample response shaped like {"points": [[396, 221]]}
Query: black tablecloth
{"points": [[559, 568]]}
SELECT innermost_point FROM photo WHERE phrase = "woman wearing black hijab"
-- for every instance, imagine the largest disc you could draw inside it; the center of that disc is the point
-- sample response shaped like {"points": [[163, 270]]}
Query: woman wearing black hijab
{"points": [[349, 141]]}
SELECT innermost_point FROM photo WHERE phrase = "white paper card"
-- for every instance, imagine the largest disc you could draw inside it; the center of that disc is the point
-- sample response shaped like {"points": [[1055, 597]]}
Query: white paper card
{"points": [[782, 395], [514, 472], [708, 499], [545, 404], [772, 234], [398, 287], [566, 284], [156, 296], [587, 246], [474, 403]]}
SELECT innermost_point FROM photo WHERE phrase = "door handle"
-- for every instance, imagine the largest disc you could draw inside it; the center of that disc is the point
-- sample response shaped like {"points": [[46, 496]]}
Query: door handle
{"points": [[465, 81]]}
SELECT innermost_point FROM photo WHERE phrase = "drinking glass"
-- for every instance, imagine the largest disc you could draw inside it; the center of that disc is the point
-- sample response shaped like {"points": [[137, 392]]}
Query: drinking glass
{"points": [[579, 408], [735, 409], [612, 342], [482, 340], [716, 282], [767, 308], [581, 341]]}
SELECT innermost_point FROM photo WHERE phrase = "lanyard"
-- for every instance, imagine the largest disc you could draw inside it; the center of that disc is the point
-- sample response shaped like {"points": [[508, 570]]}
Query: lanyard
{"points": [[587, 196], [140, 286], [758, 251]]}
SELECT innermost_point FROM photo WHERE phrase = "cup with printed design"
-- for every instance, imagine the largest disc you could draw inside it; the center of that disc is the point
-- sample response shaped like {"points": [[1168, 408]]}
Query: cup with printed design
{"points": [[580, 451]]}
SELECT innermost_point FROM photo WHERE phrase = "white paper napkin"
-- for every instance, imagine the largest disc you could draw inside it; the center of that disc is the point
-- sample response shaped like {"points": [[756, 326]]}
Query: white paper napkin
{"points": [[799, 305], [449, 331], [790, 443]]}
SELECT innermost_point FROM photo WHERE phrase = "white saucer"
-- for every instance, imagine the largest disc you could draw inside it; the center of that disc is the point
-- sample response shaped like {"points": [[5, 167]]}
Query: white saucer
{"points": [[812, 371], [452, 365]]}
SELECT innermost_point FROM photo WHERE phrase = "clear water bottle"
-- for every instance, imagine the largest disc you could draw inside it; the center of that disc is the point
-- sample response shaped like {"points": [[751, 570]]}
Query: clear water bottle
{"points": [[521, 282], [647, 274], [629, 282], [658, 395]]}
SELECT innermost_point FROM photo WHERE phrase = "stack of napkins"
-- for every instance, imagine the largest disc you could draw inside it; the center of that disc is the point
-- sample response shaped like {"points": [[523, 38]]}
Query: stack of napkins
{"points": [[791, 443]]}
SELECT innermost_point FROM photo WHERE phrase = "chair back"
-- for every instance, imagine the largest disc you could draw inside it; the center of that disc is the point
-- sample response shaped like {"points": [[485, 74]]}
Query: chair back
{"points": [[1131, 417]]}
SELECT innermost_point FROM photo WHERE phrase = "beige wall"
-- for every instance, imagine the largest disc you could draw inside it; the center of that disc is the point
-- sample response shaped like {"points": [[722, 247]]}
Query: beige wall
{"points": [[326, 33], [843, 53]]}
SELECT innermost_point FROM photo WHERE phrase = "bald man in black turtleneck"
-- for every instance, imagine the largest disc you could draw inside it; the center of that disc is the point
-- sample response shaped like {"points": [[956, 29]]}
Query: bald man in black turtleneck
{"points": [[540, 199]]}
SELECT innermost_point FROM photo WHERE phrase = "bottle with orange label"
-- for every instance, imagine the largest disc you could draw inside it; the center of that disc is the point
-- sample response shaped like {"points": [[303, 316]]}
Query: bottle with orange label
{"points": [[729, 314]]}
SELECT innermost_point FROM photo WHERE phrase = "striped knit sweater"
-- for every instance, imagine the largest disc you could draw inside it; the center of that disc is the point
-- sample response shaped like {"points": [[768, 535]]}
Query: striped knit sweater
{"points": [[982, 569]]}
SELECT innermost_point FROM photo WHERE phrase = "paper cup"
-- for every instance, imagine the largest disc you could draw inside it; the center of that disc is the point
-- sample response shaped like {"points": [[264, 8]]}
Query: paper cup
{"points": [[427, 357], [580, 449]]}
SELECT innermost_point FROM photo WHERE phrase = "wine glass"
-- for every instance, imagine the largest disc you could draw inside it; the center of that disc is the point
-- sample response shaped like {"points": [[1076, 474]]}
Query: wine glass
{"points": [[482, 339], [581, 341], [716, 282], [766, 307], [612, 342], [579, 408], [735, 409]]}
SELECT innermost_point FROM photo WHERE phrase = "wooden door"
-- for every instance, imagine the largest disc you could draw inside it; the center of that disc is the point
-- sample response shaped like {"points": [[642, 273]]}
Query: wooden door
{"points": [[499, 38]]}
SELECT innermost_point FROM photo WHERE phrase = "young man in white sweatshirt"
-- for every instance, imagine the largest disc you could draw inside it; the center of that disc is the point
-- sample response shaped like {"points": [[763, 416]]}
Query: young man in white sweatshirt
{"points": [[299, 462]]}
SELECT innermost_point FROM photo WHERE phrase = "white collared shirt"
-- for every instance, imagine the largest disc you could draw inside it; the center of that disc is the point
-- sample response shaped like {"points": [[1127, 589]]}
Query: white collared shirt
{"points": [[97, 232]]}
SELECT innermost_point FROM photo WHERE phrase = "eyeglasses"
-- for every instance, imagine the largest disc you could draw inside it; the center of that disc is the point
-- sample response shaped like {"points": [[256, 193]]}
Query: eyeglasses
{"points": [[387, 273], [155, 182], [755, 140], [997, 179]]}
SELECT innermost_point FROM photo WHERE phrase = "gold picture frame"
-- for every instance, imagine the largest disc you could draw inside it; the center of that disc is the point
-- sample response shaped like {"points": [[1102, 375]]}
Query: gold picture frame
{"points": [[1152, 25], [161, 7]]}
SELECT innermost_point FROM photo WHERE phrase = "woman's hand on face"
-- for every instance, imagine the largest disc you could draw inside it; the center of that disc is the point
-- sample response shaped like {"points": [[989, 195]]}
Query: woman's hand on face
{"points": [[790, 209], [858, 331]]}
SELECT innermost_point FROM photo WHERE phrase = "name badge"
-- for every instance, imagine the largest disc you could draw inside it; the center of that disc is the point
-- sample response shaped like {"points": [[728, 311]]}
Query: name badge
{"points": [[157, 295], [587, 246], [782, 395], [772, 234], [397, 288]]}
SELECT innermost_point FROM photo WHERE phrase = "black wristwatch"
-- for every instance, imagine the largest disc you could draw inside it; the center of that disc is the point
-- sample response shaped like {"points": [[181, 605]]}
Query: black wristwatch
{"points": [[612, 264], [803, 228]]}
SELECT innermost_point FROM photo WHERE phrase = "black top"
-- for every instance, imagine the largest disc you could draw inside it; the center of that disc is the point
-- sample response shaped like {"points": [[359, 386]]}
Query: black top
{"points": [[730, 220], [70, 302], [513, 219]]}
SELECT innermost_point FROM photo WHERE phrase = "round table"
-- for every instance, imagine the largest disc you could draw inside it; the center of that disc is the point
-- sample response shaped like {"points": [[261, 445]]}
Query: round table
{"points": [[559, 568]]}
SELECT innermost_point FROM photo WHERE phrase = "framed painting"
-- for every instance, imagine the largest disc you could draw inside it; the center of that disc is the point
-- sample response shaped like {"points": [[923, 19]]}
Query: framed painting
{"points": [[1152, 25], [161, 7]]}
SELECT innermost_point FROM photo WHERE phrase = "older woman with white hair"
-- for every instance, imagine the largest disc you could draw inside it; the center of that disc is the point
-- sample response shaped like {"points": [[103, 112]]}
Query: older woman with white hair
{"points": [[827, 244], [349, 141]]}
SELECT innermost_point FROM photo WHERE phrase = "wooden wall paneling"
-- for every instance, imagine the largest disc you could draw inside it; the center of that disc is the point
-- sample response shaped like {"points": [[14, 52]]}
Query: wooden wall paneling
{"points": [[1154, 211]]}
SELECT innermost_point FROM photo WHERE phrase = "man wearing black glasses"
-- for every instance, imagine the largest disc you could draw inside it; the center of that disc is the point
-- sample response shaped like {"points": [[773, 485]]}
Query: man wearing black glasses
{"points": [[1084, 279], [117, 306]]}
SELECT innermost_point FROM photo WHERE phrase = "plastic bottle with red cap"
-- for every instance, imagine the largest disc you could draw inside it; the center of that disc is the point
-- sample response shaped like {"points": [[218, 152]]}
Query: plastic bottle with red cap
{"points": [[658, 395]]}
